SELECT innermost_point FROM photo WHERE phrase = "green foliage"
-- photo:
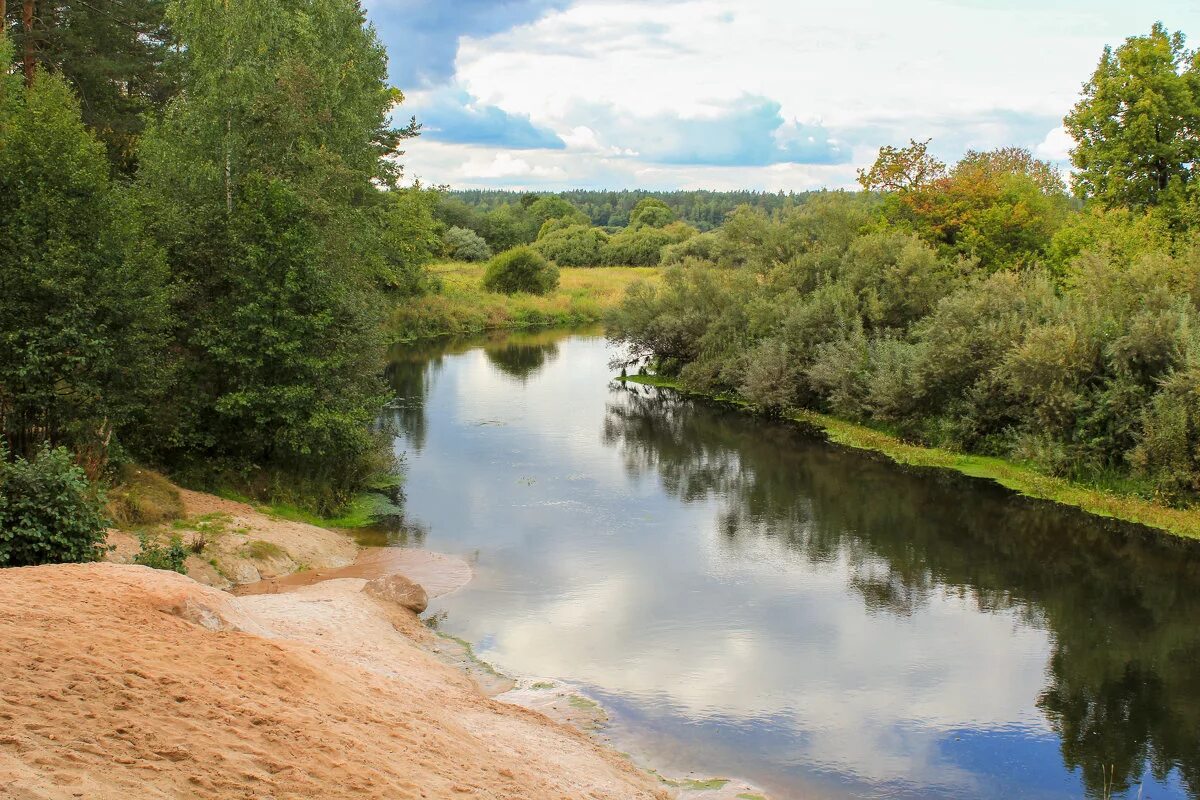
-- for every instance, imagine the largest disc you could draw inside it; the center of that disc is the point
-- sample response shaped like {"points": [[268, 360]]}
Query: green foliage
{"points": [[875, 312], [701, 208], [1135, 125], [408, 240], [651, 212], [49, 513], [573, 245], [508, 226], [117, 55], [261, 178], [170, 557], [521, 269], [551, 207], [464, 244], [635, 247], [84, 305]]}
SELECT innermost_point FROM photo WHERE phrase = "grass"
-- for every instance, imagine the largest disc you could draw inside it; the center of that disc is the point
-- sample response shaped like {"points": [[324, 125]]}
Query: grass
{"points": [[360, 513], [263, 551], [1025, 479], [584, 295], [143, 497]]}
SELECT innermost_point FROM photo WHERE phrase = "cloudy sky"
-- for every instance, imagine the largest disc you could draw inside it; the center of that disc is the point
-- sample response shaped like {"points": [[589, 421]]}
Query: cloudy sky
{"points": [[721, 94]]}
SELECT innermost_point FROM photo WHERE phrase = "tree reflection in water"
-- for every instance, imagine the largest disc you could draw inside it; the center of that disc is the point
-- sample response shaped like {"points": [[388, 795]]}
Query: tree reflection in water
{"points": [[1121, 603]]}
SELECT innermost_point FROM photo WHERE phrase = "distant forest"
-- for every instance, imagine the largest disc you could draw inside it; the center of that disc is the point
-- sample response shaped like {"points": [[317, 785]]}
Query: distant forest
{"points": [[702, 209]]}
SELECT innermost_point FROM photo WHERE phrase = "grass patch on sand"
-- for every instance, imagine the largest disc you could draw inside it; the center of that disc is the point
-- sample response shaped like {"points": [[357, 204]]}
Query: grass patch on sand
{"points": [[693, 784], [1025, 479], [263, 551], [141, 497], [584, 295]]}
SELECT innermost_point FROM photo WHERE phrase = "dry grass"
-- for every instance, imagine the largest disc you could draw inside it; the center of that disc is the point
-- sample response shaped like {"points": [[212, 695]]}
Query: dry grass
{"points": [[143, 497], [584, 295]]}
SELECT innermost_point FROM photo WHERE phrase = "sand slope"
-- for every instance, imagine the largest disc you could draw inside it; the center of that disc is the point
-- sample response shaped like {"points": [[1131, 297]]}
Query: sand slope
{"points": [[125, 682]]}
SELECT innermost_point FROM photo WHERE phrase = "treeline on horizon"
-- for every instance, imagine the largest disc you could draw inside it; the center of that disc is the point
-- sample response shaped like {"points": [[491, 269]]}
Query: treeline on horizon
{"points": [[201, 229], [703, 209], [979, 306]]}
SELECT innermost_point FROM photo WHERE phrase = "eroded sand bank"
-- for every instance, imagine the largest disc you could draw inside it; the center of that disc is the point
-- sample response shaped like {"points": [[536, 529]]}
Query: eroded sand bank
{"points": [[121, 681]]}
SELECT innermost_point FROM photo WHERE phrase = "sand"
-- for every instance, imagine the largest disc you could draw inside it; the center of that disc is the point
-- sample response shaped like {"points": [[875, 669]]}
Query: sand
{"points": [[126, 682]]}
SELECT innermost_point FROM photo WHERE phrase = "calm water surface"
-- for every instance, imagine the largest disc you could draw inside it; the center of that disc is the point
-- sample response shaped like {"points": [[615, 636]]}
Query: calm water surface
{"points": [[747, 600]]}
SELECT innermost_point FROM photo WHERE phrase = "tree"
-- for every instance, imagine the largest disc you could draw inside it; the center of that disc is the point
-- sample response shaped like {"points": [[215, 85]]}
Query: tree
{"points": [[117, 55], [83, 300], [652, 213], [551, 207], [901, 169], [1137, 125], [1002, 207], [466, 245], [263, 176], [409, 239]]}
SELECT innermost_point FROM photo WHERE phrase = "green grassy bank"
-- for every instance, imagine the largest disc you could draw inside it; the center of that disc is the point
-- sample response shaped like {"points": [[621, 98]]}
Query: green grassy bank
{"points": [[462, 307], [1021, 478]]}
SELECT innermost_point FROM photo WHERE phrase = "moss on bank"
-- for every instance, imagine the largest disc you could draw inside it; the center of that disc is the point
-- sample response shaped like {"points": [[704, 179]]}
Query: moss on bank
{"points": [[1021, 478], [463, 306]]}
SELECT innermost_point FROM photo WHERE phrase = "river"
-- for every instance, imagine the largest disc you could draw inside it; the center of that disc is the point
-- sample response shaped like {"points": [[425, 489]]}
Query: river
{"points": [[750, 601]]}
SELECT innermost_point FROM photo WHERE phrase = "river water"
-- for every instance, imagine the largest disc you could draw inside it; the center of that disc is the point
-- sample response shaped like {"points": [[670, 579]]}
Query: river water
{"points": [[749, 601]]}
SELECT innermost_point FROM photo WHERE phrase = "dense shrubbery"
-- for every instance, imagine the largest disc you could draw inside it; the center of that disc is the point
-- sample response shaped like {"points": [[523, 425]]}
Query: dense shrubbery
{"points": [[49, 512], [573, 245], [156, 555], [521, 269], [1023, 330]]}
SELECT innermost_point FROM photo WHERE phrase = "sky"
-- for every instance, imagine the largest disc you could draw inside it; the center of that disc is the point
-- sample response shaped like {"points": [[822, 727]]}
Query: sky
{"points": [[736, 94]]}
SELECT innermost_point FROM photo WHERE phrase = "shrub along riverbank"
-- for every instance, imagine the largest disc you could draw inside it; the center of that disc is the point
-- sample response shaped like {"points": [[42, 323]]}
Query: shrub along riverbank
{"points": [[463, 306], [1023, 478]]}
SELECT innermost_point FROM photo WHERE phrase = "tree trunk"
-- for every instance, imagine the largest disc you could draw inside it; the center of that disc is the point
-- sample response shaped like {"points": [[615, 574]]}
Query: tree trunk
{"points": [[28, 61]]}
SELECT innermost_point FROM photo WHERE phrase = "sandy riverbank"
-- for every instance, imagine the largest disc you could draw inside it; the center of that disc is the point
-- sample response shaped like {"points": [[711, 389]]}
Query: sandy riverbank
{"points": [[121, 681]]}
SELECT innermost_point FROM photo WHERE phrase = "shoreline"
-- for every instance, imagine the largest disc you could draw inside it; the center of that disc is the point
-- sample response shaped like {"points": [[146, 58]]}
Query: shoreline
{"points": [[318, 601], [1023, 480]]}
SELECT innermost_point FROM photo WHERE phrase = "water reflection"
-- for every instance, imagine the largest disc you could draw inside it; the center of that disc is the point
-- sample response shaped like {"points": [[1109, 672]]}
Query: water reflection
{"points": [[521, 360], [1122, 604], [750, 599]]}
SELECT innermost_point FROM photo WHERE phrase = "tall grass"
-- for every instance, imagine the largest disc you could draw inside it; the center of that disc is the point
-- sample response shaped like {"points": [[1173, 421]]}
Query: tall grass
{"points": [[463, 306]]}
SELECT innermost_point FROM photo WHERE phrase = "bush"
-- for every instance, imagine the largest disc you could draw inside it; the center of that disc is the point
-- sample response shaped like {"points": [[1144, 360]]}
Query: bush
{"points": [[703, 247], [521, 269], [49, 513], [573, 246], [466, 245], [640, 247], [156, 556]]}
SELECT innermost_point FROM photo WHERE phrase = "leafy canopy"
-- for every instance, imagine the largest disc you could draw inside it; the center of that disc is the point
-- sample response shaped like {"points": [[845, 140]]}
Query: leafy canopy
{"points": [[1137, 124]]}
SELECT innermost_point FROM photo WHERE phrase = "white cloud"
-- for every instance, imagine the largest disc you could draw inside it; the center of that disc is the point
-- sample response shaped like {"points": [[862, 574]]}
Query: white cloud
{"points": [[1056, 146], [611, 78], [506, 165]]}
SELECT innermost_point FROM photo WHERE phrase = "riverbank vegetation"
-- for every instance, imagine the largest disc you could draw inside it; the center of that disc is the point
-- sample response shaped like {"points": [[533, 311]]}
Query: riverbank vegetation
{"points": [[978, 307], [462, 306], [198, 263]]}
